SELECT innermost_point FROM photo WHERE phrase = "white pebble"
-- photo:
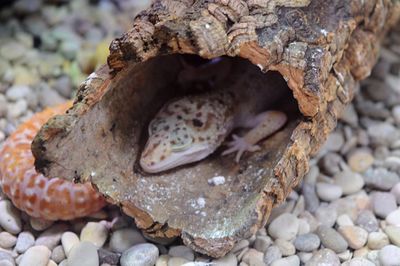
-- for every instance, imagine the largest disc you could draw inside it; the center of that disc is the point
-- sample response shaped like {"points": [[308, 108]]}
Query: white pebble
{"points": [[10, 217], [83, 254], [68, 240], [125, 238], [389, 256], [36, 255], [288, 261], [393, 218], [7, 240], [328, 192], [96, 233], [142, 254], [284, 226], [25, 240]]}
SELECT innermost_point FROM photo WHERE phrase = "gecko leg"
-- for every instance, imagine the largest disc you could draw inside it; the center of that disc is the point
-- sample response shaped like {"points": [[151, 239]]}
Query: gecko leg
{"points": [[267, 123]]}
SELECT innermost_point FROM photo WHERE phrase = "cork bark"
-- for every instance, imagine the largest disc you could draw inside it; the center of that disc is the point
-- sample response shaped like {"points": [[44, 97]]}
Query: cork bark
{"points": [[313, 51]]}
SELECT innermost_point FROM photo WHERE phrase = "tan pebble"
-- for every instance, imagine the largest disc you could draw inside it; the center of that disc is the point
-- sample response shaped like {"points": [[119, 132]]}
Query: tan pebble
{"points": [[360, 160], [229, 260], [51, 263], [345, 255], [253, 257], [162, 260], [377, 240], [362, 252], [355, 236], [96, 233], [177, 261]]}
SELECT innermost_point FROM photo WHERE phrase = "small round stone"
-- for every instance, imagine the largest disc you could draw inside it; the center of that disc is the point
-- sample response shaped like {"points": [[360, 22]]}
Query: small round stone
{"points": [[58, 254], [326, 215], [10, 219], [350, 182], [25, 240], [253, 257], [40, 224], [344, 220], [324, 257], [284, 226], [331, 239], [288, 261], [140, 255], [286, 247], [311, 199], [262, 243], [125, 238], [36, 255], [328, 192], [355, 236], [94, 232], [228, 260], [304, 227], [393, 232], [7, 240], [84, 253], [383, 203], [380, 178], [393, 218], [307, 242], [108, 257], [389, 256], [334, 142], [68, 240], [377, 240], [360, 160], [273, 253], [358, 262], [367, 220], [52, 236], [396, 192], [174, 261], [181, 251]]}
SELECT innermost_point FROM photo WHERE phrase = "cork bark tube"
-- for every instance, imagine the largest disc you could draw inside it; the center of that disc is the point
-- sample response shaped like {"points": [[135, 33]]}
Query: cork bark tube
{"points": [[313, 52]]}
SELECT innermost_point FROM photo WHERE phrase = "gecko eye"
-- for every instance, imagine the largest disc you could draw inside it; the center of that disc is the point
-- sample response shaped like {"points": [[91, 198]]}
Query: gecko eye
{"points": [[180, 140]]}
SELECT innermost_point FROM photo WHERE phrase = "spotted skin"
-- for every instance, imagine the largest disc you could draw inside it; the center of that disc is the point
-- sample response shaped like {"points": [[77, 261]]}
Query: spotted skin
{"points": [[38, 196]]}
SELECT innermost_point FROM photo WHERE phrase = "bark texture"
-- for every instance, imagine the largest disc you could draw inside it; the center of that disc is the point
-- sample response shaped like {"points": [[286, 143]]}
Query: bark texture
{"points": [[320, 48]]}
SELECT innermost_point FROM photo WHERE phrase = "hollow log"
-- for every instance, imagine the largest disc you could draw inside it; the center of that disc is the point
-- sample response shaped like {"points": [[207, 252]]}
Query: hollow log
{"points": [[310, 53]]}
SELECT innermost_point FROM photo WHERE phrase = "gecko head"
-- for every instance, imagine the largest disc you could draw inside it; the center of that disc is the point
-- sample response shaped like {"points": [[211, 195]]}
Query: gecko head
{"points": [[172, 142]]}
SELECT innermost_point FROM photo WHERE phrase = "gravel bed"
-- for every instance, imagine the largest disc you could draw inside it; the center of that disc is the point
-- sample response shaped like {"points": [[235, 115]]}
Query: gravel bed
{"points": [[346, 211]]}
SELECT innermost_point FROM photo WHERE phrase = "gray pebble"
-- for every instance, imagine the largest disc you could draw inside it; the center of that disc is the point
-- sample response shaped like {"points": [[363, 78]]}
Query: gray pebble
{"points": [[349, 115], [380, 178], [7, 240], [36, 255], [262, 243], [310, 197], [49, 97], [358, 262], [25, 7], [389, 256], [330, 163], [58, 254], [334, 142], [12, 50], [272, 254], [396, 192], [25, 240], [52, 236], [125, 238], [286, 247], [140, 255], [349, 181], [83, 254], [307, 242], [383, 203], [63, 85], [18, 92], [324, 257], [328, 192], [284, 226], [10, 217], [17, 109], [288, 261], [108, 257], [181, 251], [382, 133], [326, 215], [367, 220], [228, 260], [331, 239]]}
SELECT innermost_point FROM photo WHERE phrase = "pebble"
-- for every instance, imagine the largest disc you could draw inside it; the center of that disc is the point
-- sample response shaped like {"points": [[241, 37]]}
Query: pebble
{"points": [[310, 197], [175, 261], [7, 240], [396, 192], [6, 257], [124, 238], [273, 253], [307, 242], [253, 257], [304, 227], [334, 142], [10, 217], [393, 218], [377, 240], [367, 220], [95, 233], [360, 160], [181, 251], [284, 226], [40, 224], [286, 247], [12, 51], [52, 236], [349, 181], [18, 92], [349, 115], [358, 262], [382, 133], [17, 109], [25, 240], [389, 256], [163, 260], [326, 215], [68, 240], [108, 257], [288, 261], [83, 254], [355, 236], [344, 220], [229, 260], [262, 243], [331, 239], [49, 97], [383, 203], [328, 192], [58, 254], [36, 255], [324, 257], [393, 232], [330, 163], [380, 178], [140, 255]]}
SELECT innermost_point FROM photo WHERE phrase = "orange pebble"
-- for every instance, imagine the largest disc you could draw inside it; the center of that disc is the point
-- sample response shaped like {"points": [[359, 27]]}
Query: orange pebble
{"points": [[41, 197]]}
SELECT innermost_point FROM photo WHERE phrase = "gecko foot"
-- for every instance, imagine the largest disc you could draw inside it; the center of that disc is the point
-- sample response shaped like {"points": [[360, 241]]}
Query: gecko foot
{"points": [[240, 145]]}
